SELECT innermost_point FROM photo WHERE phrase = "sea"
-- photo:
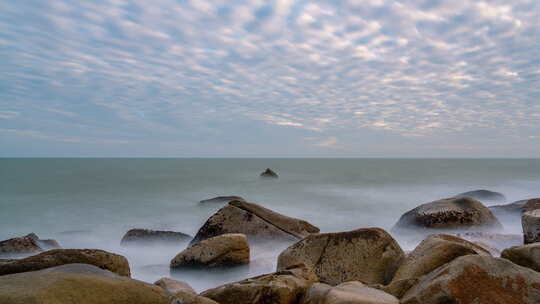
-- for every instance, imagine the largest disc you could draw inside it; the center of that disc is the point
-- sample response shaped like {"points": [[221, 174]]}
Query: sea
{"points": [[93, 202]]}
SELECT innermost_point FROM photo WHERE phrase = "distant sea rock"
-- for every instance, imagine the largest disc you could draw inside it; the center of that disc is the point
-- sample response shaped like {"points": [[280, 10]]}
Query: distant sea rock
{"points": [[26, 245], [484, 195], [153, 237], [269, 173], [222, 199]]}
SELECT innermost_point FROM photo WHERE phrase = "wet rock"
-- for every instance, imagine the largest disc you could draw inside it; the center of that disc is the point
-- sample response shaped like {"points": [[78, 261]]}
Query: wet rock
{"points": [[256, 222], [173, 286], [77, 283], [153, 237], [484, 195], [476, 279], [433, 252], [219, 251], [19, 246], [282, 287], [347, 293], [269, 173], [222, 199], [56, 257], [526, 255], [530, 221], [449, 214], [369, 255]]}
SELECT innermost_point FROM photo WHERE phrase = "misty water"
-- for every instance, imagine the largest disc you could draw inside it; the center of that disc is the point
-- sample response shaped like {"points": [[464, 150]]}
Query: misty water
{"points": [[91, 203]]}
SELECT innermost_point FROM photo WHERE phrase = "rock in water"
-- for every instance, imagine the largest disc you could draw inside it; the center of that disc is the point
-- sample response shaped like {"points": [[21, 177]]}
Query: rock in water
{"points": [[283, 287], [57, 257], [347, 293], [222, 199], [256, 222], [369, 255], [269, 173], [530, 221], [449, 214], [484, 195], [475, 279], [532, 204], [515, 207], [173, 286], [219, 251], [19, 246], [153, 237], [526, 255]]}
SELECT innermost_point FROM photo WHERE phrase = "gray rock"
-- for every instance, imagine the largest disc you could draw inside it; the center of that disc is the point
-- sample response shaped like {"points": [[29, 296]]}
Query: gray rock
{"points": [[269, 173], [173, 286], [222, 199], [526, 255], [153, 237], [484, 195]]}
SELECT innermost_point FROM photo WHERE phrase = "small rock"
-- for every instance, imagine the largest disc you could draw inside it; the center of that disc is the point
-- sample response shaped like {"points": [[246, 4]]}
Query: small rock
{"points": [[484, 195], [269, 173], [153, 237], [220, 251], [222, 199], [530, 221], [19, 246], [173, 286], [347, 293], [526, 255]]}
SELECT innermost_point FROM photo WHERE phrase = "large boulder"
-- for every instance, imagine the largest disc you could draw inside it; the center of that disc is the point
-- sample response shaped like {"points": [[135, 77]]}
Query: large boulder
{"points": [[282, 287], [449, 214], [369, 255], [219, 251], [434, 251], [530, 221], [173, 286], [77, 283], [484, 195], [153, 237], [477, 279], [347, 293], [222, 199], [255, 221], [526, 255], [56, 257], [269, 173]]}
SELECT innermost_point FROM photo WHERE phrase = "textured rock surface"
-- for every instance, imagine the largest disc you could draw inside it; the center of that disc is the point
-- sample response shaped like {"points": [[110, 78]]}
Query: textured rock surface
{"points": [[222, 199], [531, 204], [369, 255], [269, 173], [530, 221], [153, 237], [173, 286], [56, 257], [475, 279], [18, 246], [77, 283], [434, 251], [450, 214], [282, 287], [347, 293], [256, 222], [484, 195], [219, 251], [189, 298], [526, 255]]}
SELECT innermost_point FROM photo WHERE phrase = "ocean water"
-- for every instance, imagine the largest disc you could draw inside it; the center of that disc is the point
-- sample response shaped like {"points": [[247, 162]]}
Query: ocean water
{"points": [[91, 203]]}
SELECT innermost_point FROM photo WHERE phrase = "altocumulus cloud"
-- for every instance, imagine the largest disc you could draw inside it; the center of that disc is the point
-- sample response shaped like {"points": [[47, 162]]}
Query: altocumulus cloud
{"points": [[273, 78]]}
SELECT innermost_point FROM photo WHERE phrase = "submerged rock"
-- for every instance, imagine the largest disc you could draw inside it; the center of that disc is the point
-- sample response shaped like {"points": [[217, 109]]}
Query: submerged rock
{"points": [[526, 255], [530, 221], [369, 255], [77, 283], [269, 173], [219, 251], [153, 237], [347, 293], [57, 257], [484, 195], [173, 286], [475, 279], [256, 222], [222, 199], [282, 287], [449, 214]]}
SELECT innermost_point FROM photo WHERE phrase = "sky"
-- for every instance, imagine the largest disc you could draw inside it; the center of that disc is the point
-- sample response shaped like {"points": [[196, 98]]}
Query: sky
{"points": [[231, 78]]}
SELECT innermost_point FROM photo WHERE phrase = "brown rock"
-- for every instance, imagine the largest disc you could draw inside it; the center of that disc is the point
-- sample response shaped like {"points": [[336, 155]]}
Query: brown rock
{"points": [[56, 257], [530, 221], [19, 246], [347, 293], [153, 237], [222, 250], [526, 255], [173, 286], [531, 204], [369, 255], [189, 298], [476, 279]]}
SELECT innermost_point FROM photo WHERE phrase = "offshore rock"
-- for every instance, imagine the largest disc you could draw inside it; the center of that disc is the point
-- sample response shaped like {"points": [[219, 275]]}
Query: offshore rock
{"points": [[219, 251], [269, 173], [484, 195], [153, 237], [222, 199]]}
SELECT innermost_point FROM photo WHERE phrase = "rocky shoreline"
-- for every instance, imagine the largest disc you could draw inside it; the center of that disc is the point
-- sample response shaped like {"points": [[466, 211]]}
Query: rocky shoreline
{"points": [[462, 257]]}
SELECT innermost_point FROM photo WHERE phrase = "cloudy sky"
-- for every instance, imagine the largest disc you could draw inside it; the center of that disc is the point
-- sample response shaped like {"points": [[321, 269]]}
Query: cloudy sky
{"points": [[284, 78]]}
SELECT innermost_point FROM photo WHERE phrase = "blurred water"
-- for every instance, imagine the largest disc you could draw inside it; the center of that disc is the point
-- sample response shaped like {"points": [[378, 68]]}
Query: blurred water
{"points": [[91, 203]]}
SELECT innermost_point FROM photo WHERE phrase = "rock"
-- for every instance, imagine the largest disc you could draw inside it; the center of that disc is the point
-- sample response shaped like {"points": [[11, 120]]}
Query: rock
{"points": [[189, 298], [269, 173], [44, 244], [19, 246], [369, 255], [531, 204], [282, 287], [256, 222], [347, 293], [77, 283], [513, 208], [526, 255], [222, 199], [173, 286], [484, 195], [476, 279], [219, 251], [449, 214], [153, 237], [491, 241], [433, 252], [398, 288], [530, 221], [56, 257]]}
